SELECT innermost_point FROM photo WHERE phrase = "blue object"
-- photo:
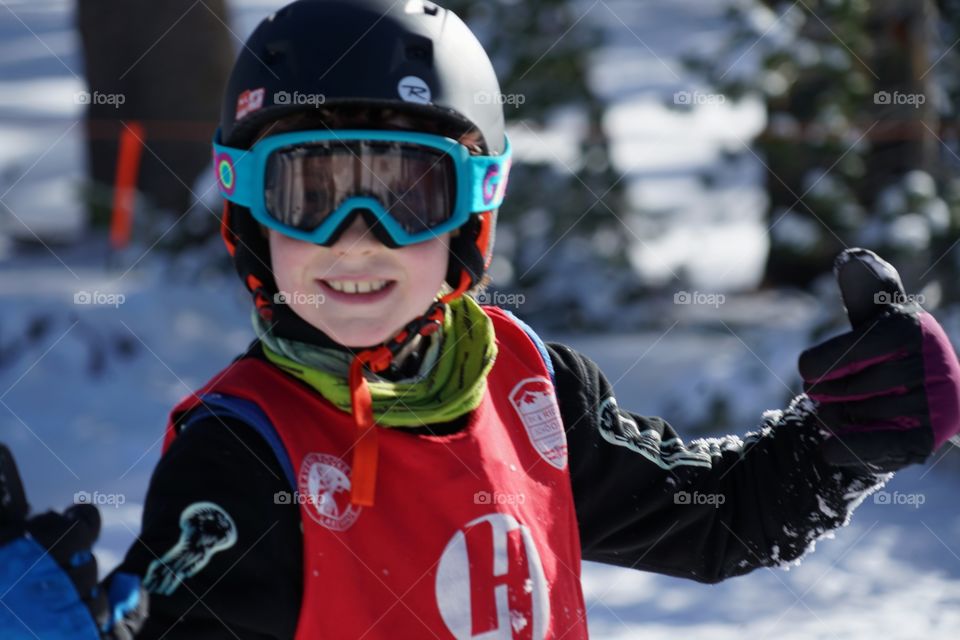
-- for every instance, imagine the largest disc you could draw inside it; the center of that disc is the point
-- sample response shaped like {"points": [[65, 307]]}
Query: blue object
{"points": [[124, 597], [81, 558], [37, 599], [480, 181]]}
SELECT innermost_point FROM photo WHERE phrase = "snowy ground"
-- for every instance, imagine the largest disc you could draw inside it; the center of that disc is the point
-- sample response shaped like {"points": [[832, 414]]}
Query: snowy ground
{"points": [[84, 414]]}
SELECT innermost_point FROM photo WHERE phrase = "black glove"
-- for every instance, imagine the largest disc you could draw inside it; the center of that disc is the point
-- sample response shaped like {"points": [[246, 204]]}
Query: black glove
{"points": [[67, 539], [13, 502], [888, 391]]}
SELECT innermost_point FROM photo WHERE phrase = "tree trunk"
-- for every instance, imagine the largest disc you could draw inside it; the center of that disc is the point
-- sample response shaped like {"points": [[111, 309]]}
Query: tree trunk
{"points": [[168, 63]]}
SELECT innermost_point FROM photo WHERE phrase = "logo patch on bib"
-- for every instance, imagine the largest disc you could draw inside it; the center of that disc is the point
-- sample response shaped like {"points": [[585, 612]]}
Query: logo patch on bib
{"points": [[536, 404], [324, 484]]}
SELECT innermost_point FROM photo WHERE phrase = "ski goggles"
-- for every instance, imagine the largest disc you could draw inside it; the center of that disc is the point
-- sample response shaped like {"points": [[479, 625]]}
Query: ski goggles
{"points": [[306, 184]]}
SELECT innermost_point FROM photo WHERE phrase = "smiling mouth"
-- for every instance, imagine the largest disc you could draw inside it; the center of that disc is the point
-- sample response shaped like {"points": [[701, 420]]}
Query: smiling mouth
{"points": [[370, 290], [357, 286]]}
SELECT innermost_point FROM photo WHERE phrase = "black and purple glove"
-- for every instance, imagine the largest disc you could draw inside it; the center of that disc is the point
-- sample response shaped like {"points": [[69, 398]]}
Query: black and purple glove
{"points": [[888, 391]]}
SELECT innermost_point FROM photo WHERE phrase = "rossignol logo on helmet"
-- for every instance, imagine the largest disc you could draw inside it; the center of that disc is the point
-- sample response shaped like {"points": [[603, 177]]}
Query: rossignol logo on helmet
{"points": [[414, 89], [249, 101], [325, 481]]}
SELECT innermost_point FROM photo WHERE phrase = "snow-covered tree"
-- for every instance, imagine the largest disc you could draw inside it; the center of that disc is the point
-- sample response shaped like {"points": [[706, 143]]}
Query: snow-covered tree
{"points": [[562, 220], [857, 93]]}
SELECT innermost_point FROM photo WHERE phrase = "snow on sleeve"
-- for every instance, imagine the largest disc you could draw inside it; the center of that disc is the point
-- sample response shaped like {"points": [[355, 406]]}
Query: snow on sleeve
{"points": [[837, 494]]}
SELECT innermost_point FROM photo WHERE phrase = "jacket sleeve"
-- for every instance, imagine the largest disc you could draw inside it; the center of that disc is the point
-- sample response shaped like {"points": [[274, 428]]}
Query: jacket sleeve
{"points": [[219, 556], [706, 510]]}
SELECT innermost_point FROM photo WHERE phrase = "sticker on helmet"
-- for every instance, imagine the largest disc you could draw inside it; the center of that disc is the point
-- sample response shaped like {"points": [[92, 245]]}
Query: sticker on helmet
{"points": [[413, 89], [249, 101]]}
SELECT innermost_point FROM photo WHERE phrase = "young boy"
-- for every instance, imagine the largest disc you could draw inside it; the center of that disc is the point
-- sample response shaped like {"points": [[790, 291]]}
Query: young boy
{"points": [[391, 460]]}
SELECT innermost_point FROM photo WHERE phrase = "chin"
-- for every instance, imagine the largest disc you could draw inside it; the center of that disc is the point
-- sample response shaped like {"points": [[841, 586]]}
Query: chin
{"points": [[347, 333], [360, 343], [356, 339]]}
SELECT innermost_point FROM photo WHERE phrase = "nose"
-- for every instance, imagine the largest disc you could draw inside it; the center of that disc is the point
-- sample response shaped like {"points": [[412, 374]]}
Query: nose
{"points": [[357, 238]]}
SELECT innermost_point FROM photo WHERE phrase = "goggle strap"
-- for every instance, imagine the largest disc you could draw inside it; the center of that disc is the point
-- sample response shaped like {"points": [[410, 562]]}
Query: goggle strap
{"points": [[490, 175]]}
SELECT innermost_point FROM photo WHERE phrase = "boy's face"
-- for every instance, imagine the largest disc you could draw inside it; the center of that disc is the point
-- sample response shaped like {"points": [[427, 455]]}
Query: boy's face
{"points": [[311, 274], [308, 273]]}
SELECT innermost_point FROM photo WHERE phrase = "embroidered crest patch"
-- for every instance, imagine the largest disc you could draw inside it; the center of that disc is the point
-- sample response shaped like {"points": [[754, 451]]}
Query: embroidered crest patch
{"points": [[536, 404], [324, 484]]}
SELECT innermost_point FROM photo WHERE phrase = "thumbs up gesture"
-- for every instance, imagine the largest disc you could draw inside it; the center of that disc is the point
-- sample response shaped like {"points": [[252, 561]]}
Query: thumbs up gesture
{"points": [[888, 392]]}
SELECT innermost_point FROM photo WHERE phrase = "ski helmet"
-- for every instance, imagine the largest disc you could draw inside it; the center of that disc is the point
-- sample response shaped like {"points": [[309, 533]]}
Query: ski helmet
{"points": [[410, 56]]}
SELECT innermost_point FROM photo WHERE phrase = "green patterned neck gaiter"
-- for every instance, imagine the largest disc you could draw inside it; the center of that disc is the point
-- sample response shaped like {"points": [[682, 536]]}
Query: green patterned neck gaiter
{"points": [[451, 381]]}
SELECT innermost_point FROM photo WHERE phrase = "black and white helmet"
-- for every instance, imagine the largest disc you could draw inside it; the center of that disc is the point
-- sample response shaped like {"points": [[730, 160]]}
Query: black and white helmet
{"points": [[411, 56]]}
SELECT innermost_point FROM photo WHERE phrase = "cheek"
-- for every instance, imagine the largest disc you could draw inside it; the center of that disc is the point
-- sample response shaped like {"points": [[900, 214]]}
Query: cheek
{"points": [[287, 257], [428, 260]]}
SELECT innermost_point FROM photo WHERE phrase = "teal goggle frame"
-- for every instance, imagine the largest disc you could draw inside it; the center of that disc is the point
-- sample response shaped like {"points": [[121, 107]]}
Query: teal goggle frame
{"points": [[480, 182]]}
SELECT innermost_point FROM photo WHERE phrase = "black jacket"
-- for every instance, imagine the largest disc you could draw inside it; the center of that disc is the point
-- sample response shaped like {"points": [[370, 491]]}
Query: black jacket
{"points": [[705, 510]]}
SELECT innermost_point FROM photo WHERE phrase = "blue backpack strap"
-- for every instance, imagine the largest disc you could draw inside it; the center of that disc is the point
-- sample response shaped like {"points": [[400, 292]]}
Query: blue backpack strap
{"points": [[538, 343], [40, 600], [222, 406]]}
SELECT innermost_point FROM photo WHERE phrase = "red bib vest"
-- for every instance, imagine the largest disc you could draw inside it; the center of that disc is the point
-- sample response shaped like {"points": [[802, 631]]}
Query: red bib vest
{"points": [[473, 534]]}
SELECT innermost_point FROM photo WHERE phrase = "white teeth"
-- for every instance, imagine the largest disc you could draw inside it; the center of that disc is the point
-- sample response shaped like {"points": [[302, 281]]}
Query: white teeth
{"points": [[357, 286]]}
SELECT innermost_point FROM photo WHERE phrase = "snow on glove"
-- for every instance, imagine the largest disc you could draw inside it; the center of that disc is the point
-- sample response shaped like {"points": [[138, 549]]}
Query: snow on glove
{"points": [[889, 390], [48, 574]]}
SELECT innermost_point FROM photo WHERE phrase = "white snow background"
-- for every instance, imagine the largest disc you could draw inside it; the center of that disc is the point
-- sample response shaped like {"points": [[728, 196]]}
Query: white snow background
{"points": [[893, 573]]}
